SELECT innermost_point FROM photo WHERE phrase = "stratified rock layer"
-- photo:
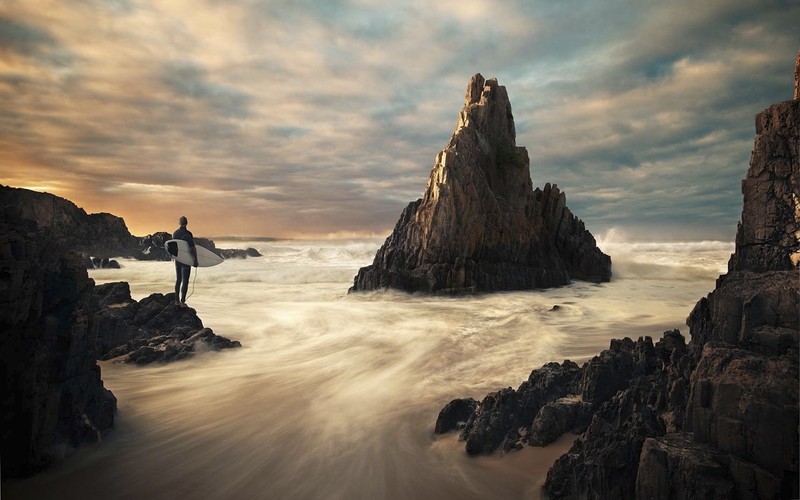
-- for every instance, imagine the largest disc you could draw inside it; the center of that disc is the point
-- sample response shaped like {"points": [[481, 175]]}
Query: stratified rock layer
{"points": [[480, 226], [715, 419]]}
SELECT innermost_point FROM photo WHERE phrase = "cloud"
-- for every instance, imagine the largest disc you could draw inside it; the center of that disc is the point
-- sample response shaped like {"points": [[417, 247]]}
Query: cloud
{"points": [[190, 81], [290, 117], [20, 39]]}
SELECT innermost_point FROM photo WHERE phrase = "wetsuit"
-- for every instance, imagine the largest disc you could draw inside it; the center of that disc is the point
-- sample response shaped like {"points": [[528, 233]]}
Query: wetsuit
{"points": [[182, 271]]}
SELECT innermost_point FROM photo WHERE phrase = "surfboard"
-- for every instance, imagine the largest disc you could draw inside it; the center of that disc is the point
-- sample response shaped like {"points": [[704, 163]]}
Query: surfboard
{"points": [[179, 250]]}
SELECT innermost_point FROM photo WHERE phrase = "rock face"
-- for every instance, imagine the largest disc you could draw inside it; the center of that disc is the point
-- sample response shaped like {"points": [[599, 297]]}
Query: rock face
{"points": [[154, 329], [480, 226], [717, 418], [97, 235], [53, 397]]}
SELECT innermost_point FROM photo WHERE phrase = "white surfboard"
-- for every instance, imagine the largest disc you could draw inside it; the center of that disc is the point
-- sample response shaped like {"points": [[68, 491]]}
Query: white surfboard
{"points": [[179, 250]]}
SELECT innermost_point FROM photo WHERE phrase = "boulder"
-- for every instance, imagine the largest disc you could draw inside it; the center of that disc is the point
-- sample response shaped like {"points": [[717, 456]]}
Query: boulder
{"points": [[567, 414], [238, 253], [455, 415], [152, 246]]}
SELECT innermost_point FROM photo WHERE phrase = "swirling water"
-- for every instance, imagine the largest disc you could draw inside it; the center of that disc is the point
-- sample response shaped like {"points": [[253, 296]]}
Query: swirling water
{"points": [[334, 396]]}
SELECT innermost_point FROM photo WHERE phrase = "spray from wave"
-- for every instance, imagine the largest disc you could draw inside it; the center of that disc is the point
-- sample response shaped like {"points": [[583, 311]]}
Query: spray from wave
{"points": [[664, 260]]}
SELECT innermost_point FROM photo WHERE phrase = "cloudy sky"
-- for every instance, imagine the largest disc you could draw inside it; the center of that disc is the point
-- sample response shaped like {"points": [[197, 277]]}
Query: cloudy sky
{"points": [[292, 118]]}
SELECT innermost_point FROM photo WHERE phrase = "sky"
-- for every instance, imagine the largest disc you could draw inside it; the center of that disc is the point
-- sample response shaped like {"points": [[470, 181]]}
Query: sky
{"points": [[306, 118]]}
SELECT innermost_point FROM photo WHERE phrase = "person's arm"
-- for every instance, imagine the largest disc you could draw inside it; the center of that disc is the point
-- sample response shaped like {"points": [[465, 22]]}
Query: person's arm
{"points": [[192, 249]]}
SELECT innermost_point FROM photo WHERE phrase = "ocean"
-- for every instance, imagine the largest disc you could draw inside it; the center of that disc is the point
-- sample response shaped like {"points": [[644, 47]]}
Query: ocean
{"points": [[334, 396]]}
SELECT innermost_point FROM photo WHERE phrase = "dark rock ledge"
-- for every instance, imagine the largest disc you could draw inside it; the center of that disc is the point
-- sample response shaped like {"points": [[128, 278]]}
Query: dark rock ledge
{"points": [[154, 329]]}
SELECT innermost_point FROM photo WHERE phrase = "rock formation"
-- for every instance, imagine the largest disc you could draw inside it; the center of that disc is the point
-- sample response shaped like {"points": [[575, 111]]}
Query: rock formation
{"points": [[480, 226], [152, 329], [54, 324], [715, 419], [53, 397], [97, 236]]}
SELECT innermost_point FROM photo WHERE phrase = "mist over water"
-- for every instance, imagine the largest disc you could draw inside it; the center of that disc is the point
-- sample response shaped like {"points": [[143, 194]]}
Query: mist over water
{"points": [[335, 395]]}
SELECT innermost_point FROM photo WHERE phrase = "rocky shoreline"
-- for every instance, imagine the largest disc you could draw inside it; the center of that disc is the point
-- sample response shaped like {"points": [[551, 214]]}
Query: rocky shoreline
{"points": [[97, 237], [56, 324], [717, 418]]}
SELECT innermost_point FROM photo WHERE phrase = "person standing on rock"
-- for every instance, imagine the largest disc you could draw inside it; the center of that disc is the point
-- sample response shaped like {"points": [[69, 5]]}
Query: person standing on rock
{"points": [[183, 271]]}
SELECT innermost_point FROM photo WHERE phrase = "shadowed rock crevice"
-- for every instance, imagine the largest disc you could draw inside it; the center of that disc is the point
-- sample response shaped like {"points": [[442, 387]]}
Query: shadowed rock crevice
{"points": [[480, 226]]}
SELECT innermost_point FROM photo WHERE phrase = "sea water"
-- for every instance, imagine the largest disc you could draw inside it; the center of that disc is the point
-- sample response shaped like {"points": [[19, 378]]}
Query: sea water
{"points": [[334, 396]]}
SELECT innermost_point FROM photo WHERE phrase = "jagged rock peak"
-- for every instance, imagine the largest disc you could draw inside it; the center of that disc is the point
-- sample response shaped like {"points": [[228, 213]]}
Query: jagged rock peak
{"points": [[488, 109], [480, 226], [768, 236], [474, 89]]}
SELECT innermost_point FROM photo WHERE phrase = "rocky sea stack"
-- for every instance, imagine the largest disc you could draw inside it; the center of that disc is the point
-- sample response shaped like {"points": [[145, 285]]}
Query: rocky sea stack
{"points": [[717, 418], [480, 225]]}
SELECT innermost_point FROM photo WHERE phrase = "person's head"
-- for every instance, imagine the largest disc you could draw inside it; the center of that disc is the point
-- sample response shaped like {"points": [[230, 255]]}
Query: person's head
{"points": [[183, 220]]}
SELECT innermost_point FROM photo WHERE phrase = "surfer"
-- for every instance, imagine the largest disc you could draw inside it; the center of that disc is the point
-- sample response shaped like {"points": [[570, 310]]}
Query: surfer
{"points": [[182, 271]]}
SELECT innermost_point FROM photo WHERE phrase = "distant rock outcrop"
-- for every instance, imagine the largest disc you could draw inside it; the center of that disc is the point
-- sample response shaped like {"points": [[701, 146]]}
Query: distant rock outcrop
{"points": [[480, 226], [153, 329], [53, 397], [715, 419], [96, 236]]}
